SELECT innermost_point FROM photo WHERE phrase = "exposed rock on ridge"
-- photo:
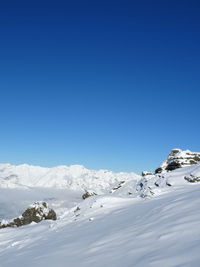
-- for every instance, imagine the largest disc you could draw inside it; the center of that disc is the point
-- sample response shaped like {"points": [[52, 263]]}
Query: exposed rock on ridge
{"points": [[177, 159]]}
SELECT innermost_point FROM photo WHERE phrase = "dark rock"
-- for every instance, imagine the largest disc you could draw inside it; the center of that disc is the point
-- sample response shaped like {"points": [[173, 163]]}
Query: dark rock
{"points": [[119, 185], [145, 173], [158, 170], [173, 166], [87, 194], [192, 179]]}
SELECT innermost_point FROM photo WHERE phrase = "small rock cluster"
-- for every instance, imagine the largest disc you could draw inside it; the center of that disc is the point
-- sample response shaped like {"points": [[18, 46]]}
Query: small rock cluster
{"points": [[88, 194], [192, 179], [145, 173], [118, 186]]}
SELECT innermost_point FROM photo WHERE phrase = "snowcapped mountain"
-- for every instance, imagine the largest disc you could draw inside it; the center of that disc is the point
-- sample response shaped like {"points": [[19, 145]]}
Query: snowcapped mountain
{"points": [[75, 177], [149, 220]]}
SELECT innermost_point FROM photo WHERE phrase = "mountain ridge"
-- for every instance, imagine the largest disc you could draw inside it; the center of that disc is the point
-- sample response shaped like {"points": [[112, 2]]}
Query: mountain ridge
{"points": [[75, 177]]}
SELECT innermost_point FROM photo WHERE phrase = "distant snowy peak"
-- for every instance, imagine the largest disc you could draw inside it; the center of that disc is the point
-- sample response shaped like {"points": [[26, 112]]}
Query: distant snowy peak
{"points": [[178, 158], [75, 177]]}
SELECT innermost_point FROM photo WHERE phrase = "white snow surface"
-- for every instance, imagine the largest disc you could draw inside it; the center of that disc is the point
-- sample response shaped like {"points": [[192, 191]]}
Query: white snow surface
{"points": [[147, 221]]}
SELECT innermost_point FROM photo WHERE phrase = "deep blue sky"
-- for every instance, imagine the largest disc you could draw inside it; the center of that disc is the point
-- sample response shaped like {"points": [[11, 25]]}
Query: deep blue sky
{"points": [[106, 84]]}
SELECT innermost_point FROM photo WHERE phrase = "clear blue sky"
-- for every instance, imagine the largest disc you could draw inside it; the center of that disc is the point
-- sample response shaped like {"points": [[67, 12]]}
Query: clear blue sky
{"points": [[106, 84]]}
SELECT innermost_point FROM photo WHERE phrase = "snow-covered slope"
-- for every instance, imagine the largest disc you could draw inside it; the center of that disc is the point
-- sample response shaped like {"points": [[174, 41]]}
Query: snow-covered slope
{"points": [[115, 231], [133, 221], [152, 185]]}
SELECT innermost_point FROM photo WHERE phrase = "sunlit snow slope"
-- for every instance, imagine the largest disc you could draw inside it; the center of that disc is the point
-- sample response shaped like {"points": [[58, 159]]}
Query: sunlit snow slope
{"points": [[151, 221]]}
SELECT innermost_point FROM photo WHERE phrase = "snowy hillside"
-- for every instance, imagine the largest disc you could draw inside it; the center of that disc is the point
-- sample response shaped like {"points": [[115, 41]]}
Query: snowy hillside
{"points": [[133, 221]]}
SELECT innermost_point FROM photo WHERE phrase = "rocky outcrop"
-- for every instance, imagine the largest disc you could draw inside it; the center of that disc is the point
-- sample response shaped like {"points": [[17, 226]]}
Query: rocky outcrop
{"points": [[145, 173], [37, 212], [192, 179], [88, 194], [177, 159]]}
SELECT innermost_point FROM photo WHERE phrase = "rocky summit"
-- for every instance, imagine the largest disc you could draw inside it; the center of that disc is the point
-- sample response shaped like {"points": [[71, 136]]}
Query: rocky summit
{"points": [[178, 158]]}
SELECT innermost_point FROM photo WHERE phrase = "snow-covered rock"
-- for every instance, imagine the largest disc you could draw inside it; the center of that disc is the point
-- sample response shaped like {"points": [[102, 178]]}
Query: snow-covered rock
{"points": [[178, 158], [36, 212]]}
